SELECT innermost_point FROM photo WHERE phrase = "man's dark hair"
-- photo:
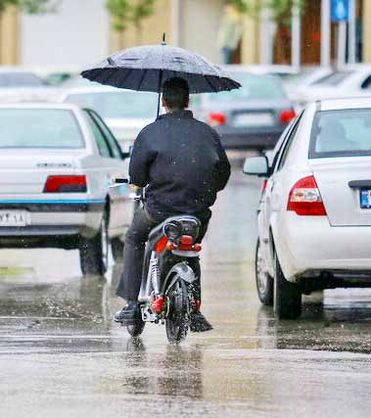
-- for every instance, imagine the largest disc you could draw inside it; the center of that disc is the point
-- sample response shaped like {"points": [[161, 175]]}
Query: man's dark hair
{"points": [[175, 92]]}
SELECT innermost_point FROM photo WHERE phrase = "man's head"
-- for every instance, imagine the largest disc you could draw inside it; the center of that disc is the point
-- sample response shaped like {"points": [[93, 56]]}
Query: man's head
{"points": [[175, 94]]}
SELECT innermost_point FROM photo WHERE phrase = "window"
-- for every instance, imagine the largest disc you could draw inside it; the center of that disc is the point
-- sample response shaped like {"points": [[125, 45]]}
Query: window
{"points": [[100, 140], [281, 155], [114, 146], [334, 79], [39, 128], [118, 104], [252, 87], [341, 133]]}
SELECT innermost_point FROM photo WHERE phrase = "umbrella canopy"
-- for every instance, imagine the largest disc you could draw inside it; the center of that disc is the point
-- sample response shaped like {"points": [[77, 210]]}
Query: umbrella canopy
{"points": [[146, 68]]}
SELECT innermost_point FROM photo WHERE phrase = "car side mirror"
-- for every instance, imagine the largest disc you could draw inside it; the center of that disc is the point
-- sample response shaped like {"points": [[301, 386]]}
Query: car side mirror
{"points": [[127, 154], [256, 166]]}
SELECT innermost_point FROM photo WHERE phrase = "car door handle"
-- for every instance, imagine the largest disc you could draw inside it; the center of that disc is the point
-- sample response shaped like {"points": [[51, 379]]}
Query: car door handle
{"points": [[359, 184]]}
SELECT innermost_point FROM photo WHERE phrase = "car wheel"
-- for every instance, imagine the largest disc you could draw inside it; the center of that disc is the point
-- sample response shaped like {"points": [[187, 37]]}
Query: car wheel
{"points": [[94, 251], [287, 295], [117, 248], [264, 282]]}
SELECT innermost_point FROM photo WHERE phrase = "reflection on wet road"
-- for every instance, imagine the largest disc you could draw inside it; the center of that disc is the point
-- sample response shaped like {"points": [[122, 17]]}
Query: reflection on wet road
{"points": [[61, 355]]}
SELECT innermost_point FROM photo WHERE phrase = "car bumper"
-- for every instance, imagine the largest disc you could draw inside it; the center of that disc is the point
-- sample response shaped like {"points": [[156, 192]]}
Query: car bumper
{"points": [[52, 220], [249, 140], [310, 244]]}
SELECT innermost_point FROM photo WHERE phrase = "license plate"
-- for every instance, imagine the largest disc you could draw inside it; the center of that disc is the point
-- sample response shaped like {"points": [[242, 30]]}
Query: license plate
{"points": [[14, 218], [253, 119], [365, 198]]}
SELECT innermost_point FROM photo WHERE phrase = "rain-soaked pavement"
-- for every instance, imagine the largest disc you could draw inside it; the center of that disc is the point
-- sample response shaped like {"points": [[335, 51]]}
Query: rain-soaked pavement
{"points": [[61, 355]]}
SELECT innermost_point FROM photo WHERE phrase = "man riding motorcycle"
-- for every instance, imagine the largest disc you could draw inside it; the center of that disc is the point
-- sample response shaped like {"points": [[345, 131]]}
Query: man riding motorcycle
{"points": [[182, 165]]}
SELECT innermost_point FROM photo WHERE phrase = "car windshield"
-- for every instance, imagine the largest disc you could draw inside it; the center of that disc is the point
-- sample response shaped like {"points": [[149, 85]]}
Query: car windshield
{"points": [[253, 87], [118, 105], [20, 80], [333, 79], [341, 133], [39, 128]]}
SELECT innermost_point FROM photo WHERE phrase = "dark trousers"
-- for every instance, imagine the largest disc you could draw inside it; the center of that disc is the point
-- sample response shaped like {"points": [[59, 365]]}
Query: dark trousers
{"points": [[135, 241]]}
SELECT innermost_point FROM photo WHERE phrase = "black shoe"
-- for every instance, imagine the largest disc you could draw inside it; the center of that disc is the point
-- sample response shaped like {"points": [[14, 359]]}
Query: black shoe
{"points": [[199, 323], [129, 314]]}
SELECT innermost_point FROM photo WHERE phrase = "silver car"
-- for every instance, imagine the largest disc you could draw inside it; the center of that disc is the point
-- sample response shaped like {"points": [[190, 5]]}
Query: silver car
{"points": [[253, 116], [126, 112], [58, 171]]}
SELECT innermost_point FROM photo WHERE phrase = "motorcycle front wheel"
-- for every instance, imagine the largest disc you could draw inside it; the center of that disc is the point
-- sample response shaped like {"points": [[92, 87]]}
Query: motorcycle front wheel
{"points": [[177, 321]]}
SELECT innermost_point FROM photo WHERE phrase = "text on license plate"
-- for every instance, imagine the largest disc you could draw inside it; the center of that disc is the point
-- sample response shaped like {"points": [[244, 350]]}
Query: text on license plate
{"points": [[253, 119], [14, 218], [365, 198]]}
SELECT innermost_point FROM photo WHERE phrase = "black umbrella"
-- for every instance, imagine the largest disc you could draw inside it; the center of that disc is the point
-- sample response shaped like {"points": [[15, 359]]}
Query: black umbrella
{"points": [[146, 68]]}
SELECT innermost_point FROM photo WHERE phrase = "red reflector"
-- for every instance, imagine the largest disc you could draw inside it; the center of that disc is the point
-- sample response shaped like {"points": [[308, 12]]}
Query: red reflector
{"points": [[287, 115], [186, 240], [161, 244], [217, 119], [65, 184], [158, 305], [197, 248], [264, 185], [305, 198], [197, 305]]}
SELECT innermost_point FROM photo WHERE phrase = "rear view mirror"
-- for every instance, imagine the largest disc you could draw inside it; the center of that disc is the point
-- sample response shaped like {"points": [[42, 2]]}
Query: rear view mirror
{"points": [[256, 166]]}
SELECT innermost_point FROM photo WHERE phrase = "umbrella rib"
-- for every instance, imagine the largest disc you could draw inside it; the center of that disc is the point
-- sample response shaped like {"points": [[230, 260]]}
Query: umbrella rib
{"points": [[144, 72], [210, 84]]}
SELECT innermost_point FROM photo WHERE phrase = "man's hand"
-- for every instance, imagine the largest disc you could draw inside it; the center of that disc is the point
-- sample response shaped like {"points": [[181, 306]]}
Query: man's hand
{"points": [[134, 188]]}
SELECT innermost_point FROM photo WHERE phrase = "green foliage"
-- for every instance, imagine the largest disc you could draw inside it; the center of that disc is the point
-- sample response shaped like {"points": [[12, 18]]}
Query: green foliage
{"points": [[30, 6], [281, 9], [125, 12]]}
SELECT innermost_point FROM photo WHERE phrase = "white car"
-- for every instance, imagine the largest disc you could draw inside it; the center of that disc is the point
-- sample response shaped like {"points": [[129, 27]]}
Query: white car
{"points": [[297, 83], [125, 112], [60, 168], [351, 80], [314, 219]]}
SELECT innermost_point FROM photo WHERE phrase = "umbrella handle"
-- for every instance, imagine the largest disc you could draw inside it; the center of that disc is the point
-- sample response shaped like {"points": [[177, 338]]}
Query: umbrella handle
{"points": [[159, 95]]}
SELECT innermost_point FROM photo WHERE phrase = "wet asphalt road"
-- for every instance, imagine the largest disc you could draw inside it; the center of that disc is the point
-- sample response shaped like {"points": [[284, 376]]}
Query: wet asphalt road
{"points": [[61, 355]]}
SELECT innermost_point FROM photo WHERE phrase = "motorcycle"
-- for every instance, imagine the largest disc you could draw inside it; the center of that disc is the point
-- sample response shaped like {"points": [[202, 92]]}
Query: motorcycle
{"points": [[169, 292]]}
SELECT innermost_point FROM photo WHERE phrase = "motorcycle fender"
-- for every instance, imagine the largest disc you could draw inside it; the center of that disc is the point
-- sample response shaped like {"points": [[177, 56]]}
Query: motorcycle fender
{"points": [[182, 270]]}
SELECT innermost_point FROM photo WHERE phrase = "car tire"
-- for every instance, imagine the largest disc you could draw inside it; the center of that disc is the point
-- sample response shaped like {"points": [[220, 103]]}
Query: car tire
{"points": [[264, 282], [287, 295], [117, 248], [94, 252]]}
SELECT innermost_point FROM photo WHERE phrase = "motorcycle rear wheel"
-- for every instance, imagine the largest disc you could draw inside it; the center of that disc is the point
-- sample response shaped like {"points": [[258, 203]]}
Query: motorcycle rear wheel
{"points": [[177, 321]]}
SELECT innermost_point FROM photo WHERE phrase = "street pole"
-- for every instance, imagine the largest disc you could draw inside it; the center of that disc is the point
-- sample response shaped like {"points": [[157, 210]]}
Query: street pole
{"points": [[341, 43], [325, 33], [296, 37], [266, 38], [352, 32], [176, 22]]}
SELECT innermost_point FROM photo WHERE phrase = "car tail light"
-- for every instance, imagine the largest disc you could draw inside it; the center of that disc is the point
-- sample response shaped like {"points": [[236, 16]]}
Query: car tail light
{"points": [[65, 184], [217, 119], [287, 115], [305, 198], [264, 186]]}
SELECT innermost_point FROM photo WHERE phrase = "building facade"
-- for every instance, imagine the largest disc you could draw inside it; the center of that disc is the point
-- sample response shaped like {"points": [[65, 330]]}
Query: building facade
{"points": [[79, 33]]}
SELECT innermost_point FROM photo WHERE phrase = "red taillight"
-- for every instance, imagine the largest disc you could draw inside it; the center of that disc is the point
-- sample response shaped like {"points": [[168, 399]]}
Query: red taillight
{"points": [[305, 198], [161, 244], [264, 186], [217, 119], [65, 184], [287, 115]]}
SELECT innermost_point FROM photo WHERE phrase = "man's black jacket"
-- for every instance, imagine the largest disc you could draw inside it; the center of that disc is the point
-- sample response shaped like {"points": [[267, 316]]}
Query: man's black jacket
{"points": [[182, 163]]}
